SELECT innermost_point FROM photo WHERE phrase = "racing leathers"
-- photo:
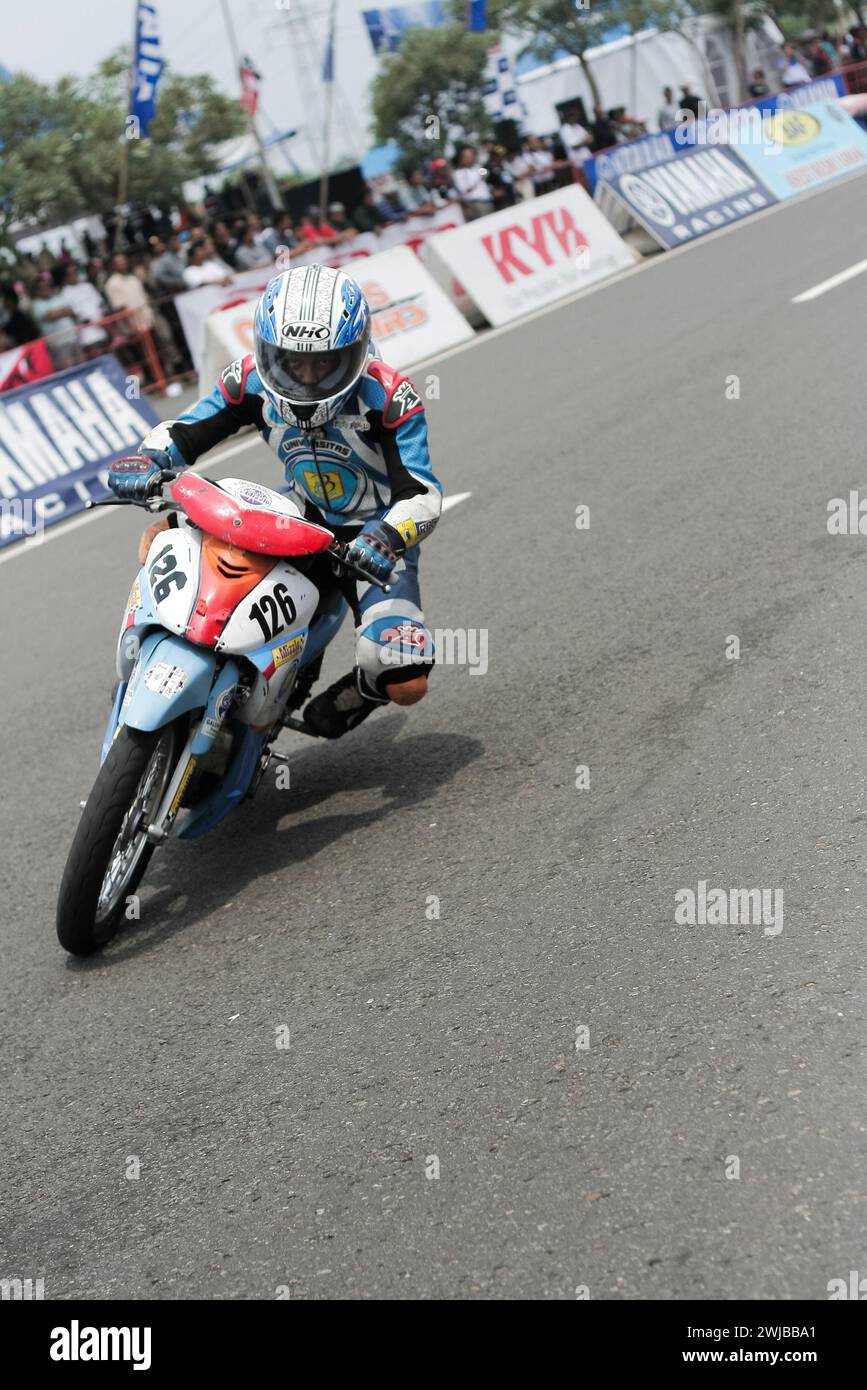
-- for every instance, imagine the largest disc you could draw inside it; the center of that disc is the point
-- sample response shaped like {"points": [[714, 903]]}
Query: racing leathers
{"points": [[370, 464]]}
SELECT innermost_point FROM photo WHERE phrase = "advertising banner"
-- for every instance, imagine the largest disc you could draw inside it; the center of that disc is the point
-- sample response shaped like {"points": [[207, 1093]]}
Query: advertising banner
{"points": [[689, 193], [635, 155], [57, 439], [811, 145], [524, 257]]}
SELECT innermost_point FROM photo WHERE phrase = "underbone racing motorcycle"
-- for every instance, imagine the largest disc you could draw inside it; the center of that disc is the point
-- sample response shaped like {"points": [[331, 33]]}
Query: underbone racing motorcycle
{"points": [[221, 638]]}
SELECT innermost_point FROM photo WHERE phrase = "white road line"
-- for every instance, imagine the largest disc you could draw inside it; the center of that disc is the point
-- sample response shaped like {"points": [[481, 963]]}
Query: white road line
{"points": [[835, 280]]}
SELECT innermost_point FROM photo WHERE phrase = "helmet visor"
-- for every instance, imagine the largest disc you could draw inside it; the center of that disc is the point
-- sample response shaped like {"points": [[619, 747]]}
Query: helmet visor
{"points": [[307, 378]]}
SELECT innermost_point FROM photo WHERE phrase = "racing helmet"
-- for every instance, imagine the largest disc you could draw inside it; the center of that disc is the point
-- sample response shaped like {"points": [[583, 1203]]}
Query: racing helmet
{"points": [[311, 341]]}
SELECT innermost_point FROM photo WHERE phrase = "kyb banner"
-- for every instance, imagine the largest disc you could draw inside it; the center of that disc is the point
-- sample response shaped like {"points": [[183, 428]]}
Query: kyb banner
{"points": [[57, 440], [412, 318], [690, 192], [530, 255], [809, 145]]}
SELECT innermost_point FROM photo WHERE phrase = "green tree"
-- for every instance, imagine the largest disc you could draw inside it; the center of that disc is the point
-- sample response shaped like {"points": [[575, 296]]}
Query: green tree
{"points": [[61, 143], [430, 92]]}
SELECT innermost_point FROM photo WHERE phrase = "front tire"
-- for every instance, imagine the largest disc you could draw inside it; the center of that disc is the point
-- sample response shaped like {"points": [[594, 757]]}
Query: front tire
{"points": [[110, 850]]}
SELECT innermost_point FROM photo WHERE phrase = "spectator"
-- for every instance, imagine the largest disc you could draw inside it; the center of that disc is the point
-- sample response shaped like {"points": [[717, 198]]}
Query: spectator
{"points": [[250, 255], [281, 233], [390, 208], [666, 116], [167, 267], [340, 222], [314, 230], [471, 185], [50, 309], [689, 101], [204, 267], [366, 217], [500, 180], [858, 44], [820, 63], [830, 47], [419, 199], [576, 141], [603, 132], [792, 68], [125, 291], [88, 306], [225, 244], [18, 327], [441, 179], [758, 86]]}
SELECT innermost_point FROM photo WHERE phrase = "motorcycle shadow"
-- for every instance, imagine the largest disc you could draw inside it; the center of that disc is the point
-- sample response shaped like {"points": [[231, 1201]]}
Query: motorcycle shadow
{"points": [[187, 881]]}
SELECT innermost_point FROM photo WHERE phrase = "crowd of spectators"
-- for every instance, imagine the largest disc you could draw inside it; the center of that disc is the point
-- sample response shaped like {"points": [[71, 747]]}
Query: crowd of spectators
{"points": [[101, 301]]}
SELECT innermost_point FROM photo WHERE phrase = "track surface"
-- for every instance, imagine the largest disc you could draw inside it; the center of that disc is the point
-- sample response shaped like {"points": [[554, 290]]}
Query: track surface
{"points": [[455, 1037]]}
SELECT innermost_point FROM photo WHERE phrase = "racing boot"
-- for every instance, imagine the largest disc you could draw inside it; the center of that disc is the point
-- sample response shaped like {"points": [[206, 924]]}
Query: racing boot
{"points": [[341, 707]]}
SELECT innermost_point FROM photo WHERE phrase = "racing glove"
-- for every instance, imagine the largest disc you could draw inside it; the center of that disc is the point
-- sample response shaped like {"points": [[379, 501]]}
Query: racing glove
{"points": [[139, 476], [375, 550]]}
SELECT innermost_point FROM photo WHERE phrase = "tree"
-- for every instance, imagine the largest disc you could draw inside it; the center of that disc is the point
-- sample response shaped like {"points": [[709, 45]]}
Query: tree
{"points": [[556, 27], [430, 92], [742, 16], [60, 144]]}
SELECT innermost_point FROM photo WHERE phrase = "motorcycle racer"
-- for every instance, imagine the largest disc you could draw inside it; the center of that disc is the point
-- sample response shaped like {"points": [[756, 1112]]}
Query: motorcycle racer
{"points": [[351, 434]]}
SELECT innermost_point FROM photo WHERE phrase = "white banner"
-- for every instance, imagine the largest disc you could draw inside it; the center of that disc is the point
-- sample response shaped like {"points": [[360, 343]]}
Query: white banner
{"points": [[533, 254], [195, 305], [412, 317]]}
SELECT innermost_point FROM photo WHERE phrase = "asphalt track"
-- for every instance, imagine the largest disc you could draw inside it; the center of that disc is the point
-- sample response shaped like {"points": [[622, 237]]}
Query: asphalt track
{"points": [[305, 1167]]}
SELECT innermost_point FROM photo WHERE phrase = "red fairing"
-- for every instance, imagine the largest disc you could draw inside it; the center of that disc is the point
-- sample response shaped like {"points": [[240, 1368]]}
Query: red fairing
{"points": [[401, 398], [255, 529]]}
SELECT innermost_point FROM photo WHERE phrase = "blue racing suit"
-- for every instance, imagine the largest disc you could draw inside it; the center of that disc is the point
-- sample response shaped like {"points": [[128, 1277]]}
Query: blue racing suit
{"points": [[370, 462]]}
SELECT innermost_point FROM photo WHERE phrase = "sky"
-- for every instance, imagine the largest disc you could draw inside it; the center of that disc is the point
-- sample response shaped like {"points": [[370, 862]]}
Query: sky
{"points": [[53, 37]]}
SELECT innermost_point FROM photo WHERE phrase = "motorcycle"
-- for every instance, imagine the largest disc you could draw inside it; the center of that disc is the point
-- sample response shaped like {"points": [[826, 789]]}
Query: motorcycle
{"points": [[222, 637]]}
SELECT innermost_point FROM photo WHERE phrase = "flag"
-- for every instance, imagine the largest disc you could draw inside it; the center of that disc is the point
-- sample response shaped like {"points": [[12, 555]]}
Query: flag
{"points": [[328, 60], [477, 20], [147, 67], [249, 87]]}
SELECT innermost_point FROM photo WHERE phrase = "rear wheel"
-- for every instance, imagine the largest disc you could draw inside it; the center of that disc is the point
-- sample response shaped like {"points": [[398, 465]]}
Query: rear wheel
{"points": [[110, 851]]}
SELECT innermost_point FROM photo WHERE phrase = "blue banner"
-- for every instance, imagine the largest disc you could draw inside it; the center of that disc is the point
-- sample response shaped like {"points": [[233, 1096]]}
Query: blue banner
{"points": [[643, 153], [147, 68], [477, 20], [811, 145], [386, 27], [688, 193], [57, 439]]}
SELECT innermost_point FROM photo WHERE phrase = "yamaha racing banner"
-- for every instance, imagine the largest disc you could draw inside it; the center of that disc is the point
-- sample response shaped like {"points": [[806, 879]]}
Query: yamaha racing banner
{"points": [[57, 440], [687, 193]]}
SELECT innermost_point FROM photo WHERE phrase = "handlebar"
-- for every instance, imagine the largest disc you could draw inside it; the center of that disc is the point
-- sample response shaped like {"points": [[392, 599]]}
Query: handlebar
{"points": [[163, 501]]}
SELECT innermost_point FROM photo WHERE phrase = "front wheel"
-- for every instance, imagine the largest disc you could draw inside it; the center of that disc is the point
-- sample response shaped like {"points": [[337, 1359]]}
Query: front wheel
{"points": [[110, 851]]}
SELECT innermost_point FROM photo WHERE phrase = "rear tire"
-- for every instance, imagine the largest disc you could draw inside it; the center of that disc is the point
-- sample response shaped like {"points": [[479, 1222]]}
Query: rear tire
{"points": [[127, 792]]}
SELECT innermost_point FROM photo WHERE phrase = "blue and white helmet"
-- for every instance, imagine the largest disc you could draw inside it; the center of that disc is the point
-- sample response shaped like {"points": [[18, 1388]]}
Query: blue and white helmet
{"points": [[311, 340]]}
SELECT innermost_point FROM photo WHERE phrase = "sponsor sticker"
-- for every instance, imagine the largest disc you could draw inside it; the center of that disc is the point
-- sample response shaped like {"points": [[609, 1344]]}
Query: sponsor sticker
{"points": [[253, 495], [334, 489], [210, 726], [164, 679], [287, 651], [188, 772], [224, 703]]}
